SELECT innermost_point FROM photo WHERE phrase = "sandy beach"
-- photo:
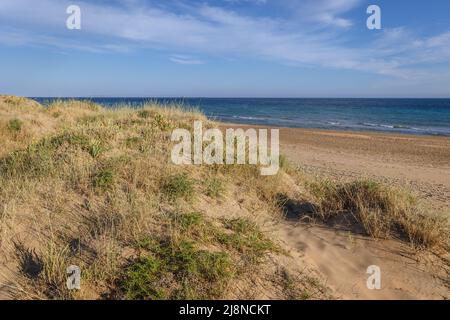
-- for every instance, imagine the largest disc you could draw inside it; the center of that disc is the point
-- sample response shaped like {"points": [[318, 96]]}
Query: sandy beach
{"points": [[418, 163]]}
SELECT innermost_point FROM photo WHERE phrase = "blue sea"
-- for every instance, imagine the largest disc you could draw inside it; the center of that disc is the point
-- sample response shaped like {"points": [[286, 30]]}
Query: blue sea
{"points": [[410, 116]]}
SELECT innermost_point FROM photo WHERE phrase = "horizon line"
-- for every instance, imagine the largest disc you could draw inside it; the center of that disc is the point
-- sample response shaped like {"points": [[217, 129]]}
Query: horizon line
{"points": [[218, 97]]}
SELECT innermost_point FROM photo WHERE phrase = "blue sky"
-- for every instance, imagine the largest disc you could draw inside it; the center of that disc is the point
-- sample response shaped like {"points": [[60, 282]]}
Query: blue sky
{"points": [[225, 48]]}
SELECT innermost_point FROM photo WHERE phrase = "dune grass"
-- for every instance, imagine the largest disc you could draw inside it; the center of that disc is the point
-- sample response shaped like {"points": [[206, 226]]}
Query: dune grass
{"points": [[214, 187], [194, 261], [15, 125], [100, 184], [178, 186], [383, 211], [177, 271]]}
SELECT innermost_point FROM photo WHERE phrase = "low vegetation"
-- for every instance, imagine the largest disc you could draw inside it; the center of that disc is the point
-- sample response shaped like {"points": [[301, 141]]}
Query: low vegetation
{"points": [[214, 187], [15, 125], [198, 260], [382, 211], [178, 186]]}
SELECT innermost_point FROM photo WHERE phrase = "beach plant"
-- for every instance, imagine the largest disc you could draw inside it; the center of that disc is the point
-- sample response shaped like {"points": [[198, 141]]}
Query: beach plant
{"points": [[246, 238], [162, 123], [103, 179], [382, 211], [178, 186], [96, 148], [214, 187], [15, 125], [180, 266], [177, 271], [144, 114]]}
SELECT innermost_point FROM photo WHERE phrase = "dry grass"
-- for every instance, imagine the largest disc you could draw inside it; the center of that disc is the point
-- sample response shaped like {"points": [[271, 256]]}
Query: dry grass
{"points": [[382, 211], [90, 187], [194, 259]]}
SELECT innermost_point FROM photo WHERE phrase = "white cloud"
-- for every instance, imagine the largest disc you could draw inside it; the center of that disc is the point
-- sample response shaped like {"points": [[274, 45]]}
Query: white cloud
{"points": [[206, 30], [324, 12], [183, 59]]}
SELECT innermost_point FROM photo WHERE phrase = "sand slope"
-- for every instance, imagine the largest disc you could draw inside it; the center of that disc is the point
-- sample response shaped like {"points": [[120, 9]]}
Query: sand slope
{"points": [[343, 259]]}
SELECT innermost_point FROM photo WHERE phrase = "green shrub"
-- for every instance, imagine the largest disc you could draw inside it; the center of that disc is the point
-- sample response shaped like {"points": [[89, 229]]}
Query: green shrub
{"points": [[15, 125], [214, 187], [35, 161], [95, 148], [179, 186], [187, 221], [162, 123], [103, 179], [71, 138], [92, 146], [246, 238], [177, 271], [144, 114]]}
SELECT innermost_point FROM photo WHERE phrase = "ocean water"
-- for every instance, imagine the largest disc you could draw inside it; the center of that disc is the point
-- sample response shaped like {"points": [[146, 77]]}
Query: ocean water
{"points": [[410, 116]]}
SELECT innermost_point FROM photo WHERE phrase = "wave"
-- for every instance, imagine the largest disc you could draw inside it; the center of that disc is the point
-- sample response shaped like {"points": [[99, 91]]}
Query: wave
{"points": [[335, 124], [380, 125]]}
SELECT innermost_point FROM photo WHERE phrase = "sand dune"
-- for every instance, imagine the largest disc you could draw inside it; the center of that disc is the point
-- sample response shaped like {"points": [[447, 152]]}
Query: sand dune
{"points": [[82, 185]]}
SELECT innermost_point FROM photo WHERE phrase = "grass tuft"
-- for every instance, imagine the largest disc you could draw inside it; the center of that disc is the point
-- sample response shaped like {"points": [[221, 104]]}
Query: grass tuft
{"points": [[214, 187], [103, 179], [144, 114], [178, 186], [245, 237], [177, 271], [381, 210], [15, 125]]}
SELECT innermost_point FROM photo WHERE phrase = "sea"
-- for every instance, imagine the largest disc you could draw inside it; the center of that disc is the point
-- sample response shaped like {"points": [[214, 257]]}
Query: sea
{"points": [[408, 116]]}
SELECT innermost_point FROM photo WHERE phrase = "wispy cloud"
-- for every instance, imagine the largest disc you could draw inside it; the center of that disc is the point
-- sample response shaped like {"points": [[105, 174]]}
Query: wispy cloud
{"points": [[206, 30], [183, 59], [327, 12]]}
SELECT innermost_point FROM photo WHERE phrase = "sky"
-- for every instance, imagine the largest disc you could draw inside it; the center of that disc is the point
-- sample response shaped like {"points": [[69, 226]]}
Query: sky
{"points": [[225, 48]]}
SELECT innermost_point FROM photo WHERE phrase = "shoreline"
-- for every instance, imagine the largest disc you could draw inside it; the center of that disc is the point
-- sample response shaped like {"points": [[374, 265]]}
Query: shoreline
{"points": [[325, 131], [343, 129], [418, 163]]}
